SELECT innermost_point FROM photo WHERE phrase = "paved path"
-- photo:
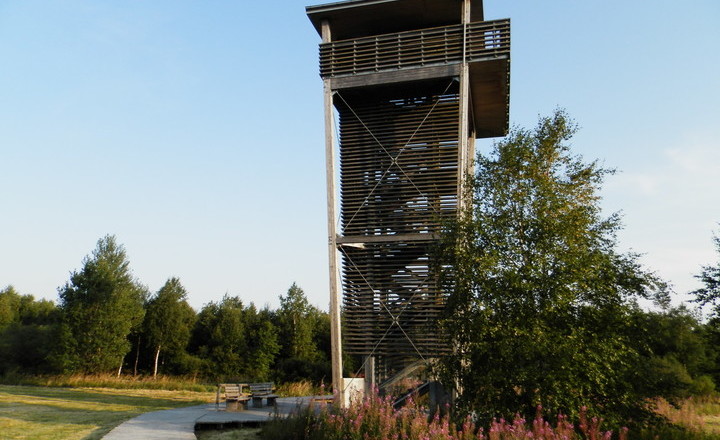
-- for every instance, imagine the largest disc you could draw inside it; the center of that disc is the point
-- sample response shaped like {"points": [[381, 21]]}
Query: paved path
{"points": [[180, 423]]}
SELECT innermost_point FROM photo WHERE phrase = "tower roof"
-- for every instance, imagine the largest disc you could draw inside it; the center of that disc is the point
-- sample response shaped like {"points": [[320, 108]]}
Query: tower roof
{"points": [[360, 18]]}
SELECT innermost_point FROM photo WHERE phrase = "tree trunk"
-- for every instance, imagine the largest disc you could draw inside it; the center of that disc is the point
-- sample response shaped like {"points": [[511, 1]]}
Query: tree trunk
{"points": [[157, 356], [137, 355], [122, 361]]}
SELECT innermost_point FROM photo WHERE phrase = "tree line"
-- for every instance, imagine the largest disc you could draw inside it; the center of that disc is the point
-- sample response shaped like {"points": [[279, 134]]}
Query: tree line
{"points": [[106, 321]]}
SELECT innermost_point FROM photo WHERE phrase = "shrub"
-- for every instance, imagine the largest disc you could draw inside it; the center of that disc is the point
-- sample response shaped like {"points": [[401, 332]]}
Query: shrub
{"points": [[703, 386]]}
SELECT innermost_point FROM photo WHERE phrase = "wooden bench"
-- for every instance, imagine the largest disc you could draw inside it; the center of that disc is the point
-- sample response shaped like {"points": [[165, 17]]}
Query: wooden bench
{"points": [[258, 391], [235, 398]]}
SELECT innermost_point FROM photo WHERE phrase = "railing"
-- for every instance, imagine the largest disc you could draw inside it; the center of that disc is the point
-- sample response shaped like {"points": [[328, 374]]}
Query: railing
{"points": [[411, 49]]}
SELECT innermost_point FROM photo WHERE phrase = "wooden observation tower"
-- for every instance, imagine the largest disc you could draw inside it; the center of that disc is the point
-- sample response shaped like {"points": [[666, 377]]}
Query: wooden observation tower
{"points": [[408, 86]]}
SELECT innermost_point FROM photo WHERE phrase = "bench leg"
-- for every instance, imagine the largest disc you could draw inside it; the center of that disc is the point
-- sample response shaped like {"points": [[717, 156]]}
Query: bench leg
{"points": [[257, 402], [271, 401], [236, 405], [232, 405]]}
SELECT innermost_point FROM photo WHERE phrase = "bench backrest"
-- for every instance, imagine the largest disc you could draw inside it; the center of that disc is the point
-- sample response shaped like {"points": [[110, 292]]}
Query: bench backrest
{"points": [[262, 388], [232, 390]]}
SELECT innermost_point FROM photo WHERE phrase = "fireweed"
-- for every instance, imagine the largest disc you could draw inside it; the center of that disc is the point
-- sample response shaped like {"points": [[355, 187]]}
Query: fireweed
{"points": [[375, 418]]}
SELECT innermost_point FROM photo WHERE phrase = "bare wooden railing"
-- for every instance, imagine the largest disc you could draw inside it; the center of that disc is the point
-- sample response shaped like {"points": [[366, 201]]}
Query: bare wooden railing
{"points": [[419, 48]]}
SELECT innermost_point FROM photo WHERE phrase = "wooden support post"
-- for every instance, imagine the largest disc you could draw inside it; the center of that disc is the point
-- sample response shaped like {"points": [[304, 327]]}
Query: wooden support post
{"points": [[369, 375], [335, 336], [465, 144], [463, 128]]}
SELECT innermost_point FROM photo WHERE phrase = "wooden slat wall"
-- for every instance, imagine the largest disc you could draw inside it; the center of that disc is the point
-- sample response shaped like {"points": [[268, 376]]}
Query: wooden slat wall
{"points": [[391, 301], [412, 49], [399, 174]]}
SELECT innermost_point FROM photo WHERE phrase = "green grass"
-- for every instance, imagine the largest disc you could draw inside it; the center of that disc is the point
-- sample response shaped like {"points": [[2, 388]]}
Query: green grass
{"points": [[31, 412]]}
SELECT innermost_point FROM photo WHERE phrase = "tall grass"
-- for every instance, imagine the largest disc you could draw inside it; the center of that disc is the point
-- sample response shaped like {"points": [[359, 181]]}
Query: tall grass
{"points": [[686, 414], [172, 383], [298, 389], [688, 420]]}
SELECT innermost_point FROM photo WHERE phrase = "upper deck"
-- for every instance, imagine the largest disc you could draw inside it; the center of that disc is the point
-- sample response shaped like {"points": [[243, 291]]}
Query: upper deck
{"points": [[381, 42]]}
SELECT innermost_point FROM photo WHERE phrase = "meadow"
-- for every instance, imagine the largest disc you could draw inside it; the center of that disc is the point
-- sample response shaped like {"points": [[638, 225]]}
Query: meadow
{"points": [[65, 413], [88, 407], [60, 407]]}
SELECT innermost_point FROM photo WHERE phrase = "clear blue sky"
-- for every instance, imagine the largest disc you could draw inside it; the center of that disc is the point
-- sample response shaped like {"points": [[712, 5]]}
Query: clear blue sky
{"points": [[193, 131]]}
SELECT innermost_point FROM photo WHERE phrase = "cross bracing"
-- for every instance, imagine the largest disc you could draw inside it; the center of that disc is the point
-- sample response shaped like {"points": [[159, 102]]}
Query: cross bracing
{"points": [[398, 179], [398, 161]]}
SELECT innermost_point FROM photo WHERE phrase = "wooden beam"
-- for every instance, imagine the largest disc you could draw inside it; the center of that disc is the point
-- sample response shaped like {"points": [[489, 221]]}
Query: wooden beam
{"points": [[397, 76], [463, 127], [333, 257]]}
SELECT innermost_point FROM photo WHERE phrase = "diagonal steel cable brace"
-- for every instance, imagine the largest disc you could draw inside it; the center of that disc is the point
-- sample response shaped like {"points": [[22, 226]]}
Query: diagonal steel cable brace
{"points": [[395, 319], [393, 158]]}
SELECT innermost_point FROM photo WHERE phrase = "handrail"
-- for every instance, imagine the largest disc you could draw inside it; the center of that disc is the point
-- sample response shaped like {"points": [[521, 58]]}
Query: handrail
{"points": [[416, 48], [419, 391]]}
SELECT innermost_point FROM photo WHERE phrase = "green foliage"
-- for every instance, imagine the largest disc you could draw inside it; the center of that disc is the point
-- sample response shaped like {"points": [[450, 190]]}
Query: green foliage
{"points": [[305, 336], [168, 321], [28, 331], [9, 306], [540, 310], [25, 309], [677, 332], [712, 342], [224, 325], [679, 357], [27, 348], [296, 319], [101, 304], [263, 344], [235, 341], [710, 277], [703, 385]]}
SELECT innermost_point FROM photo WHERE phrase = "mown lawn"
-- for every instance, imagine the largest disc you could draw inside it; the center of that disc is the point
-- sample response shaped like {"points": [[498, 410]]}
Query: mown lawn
{"points": [[29, 412]]}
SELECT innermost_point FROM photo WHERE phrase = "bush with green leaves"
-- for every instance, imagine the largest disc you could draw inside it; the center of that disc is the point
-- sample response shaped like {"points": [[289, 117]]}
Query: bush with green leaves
{"points": [[541, 300]]}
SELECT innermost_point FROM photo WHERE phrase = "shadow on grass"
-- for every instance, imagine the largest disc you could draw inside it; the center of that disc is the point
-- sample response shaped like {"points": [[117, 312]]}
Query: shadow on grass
{"points": [[114, 397]]}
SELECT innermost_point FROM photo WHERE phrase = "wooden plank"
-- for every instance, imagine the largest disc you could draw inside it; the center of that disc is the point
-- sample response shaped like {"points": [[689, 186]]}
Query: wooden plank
{"points": [[394, 76], [352, 239]]}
